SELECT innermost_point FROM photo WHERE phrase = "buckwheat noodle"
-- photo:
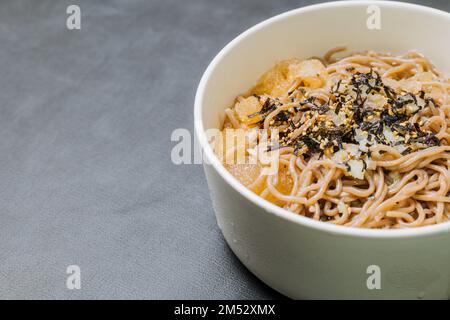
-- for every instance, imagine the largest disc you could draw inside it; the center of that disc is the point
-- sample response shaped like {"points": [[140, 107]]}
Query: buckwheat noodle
{"points": [[399, 188]]}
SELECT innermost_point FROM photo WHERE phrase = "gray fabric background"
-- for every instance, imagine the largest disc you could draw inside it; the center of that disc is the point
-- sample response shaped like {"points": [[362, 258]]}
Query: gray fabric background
{"points": [[85, 171]]}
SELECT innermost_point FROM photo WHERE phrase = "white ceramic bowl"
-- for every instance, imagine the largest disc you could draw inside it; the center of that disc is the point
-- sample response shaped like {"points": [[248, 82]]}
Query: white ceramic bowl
{"points": [[297, 256]]}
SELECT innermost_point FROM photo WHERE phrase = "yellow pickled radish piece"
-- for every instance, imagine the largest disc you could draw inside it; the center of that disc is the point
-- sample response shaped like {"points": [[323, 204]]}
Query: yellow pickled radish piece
{"points": [[246, 173], [275, 82], [310, 73], [247, 107]]}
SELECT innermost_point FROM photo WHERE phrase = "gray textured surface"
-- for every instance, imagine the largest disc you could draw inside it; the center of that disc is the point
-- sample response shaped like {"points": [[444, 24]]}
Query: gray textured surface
{"points": [[85, 170]]}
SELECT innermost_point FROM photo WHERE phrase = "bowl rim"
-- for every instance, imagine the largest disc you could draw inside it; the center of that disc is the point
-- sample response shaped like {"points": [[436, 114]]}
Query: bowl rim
{"points": [[209, 158]]}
